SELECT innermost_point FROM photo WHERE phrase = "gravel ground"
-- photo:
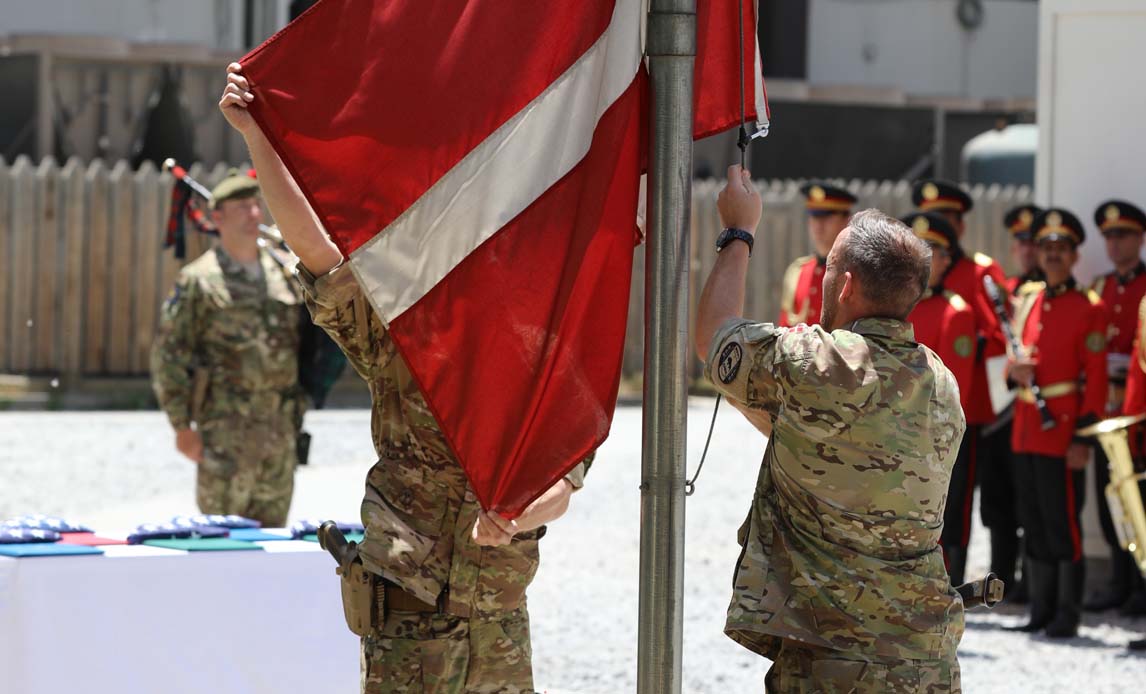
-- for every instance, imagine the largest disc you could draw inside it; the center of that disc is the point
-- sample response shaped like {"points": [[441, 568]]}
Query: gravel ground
{"points": [[114, 470]]}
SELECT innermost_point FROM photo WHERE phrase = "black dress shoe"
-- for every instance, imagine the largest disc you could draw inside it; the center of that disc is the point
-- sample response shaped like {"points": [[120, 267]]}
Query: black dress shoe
{"points": [[1063, 628], [1030, 627]]}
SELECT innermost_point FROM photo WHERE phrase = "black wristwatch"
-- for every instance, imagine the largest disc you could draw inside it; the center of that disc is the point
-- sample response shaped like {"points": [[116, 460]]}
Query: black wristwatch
{"points": [[729, 235]]}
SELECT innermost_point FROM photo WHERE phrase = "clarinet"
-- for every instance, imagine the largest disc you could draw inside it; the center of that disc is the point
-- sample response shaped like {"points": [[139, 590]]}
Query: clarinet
{"points": [[996, 296]]}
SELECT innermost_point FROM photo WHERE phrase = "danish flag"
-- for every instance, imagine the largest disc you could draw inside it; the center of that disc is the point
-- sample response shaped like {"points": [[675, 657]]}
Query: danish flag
{"points": [[478, 164]]}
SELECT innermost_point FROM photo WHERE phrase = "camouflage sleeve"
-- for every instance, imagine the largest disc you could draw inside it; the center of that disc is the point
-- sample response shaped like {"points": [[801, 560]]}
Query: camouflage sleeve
{"points": [[173, 353], [338, 305], [744, 363]]}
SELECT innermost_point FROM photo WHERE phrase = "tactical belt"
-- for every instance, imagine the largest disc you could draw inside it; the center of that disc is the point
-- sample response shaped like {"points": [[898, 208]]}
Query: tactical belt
{"points": [[1053, 390], [394, 598]]}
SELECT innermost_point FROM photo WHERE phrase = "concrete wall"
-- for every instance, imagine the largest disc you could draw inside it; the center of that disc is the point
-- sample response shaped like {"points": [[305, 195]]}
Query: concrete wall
{"points": [[1092, 111], [919, 46], [215, 23]]}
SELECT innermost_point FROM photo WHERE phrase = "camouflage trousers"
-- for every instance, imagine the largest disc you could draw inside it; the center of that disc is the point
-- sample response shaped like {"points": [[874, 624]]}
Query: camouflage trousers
{"points": [[803, 669], [418, 653], [248, 469]]}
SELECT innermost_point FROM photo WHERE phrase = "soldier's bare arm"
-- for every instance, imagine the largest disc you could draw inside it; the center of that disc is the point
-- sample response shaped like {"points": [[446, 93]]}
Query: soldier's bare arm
{"points": [[723, 296], [294, 216]]}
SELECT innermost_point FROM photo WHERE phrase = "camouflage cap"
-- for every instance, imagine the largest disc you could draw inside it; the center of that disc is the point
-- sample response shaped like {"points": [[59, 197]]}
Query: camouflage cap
{"points": [[236, 184]]}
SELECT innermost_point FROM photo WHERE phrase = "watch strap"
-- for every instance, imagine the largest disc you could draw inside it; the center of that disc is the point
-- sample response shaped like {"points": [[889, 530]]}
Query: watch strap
{"points": [[733, 234]]}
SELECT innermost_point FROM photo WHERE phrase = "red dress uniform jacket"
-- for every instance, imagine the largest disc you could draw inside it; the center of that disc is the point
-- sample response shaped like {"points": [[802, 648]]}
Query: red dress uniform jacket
{"points": [[965, 278], [1121, 296], [801, 292], [1135, 400], [946, 324], [1071, 369]]}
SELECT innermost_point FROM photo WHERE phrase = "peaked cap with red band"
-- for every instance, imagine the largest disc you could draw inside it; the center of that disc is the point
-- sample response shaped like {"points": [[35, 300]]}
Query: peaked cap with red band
{"points": [[940, 196]]}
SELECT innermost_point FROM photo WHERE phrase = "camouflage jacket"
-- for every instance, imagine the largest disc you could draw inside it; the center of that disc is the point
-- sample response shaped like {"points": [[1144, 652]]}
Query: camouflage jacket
{"points": [[243, 331], [419, 509], [840, 548]]}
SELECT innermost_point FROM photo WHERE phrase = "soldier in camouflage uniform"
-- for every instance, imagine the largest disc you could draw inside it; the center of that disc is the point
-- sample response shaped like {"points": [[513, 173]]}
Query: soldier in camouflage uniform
{"points": [[225, 364], [841, 580], [450, 578]]}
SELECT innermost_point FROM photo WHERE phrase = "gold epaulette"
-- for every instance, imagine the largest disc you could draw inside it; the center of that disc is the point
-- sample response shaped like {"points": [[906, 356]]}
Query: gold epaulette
{"points": [[1030, 287], [1099, 285], [788, 287], [983, 260], [955, 300], [1094, 297]]}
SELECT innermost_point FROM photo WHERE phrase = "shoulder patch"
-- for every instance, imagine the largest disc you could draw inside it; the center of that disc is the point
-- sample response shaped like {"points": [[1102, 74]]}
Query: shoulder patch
{"points": [[963, 345], [1093, 297], [729, 363], [1095, 342], [955, 300], [983, 260]]}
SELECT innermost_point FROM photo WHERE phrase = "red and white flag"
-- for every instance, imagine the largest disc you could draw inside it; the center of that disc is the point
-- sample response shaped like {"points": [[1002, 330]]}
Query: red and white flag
{"points": [[478, 164]]}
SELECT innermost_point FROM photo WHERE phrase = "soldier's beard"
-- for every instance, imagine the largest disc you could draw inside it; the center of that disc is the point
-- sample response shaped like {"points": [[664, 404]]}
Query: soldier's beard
{"points": [[828, 313], [828, 309]]}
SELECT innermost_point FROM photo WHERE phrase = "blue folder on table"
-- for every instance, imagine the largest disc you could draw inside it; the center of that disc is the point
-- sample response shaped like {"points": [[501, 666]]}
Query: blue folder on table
{"points": [[46, 549], [256, 535]]}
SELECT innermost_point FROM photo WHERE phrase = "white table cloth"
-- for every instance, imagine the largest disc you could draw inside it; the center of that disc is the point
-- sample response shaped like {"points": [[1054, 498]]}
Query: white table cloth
{"points": [[147, 620]]}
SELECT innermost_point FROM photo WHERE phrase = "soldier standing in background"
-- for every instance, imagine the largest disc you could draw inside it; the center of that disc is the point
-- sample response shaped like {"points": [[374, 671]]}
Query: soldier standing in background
{"points": [[1122, 225], [1023, 252], [840, 581], [829, 208], [965, 278], [224, 364], [1067, 360], [998, 502]]}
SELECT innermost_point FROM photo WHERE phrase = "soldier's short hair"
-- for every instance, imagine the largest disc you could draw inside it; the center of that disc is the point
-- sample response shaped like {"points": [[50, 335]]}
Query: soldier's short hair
{"points": [[892, 264]]}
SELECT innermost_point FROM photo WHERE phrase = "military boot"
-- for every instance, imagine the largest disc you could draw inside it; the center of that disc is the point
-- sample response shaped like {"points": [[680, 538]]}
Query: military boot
{"points": [[1117, 590], [956, 557], [1068, 607], [1020, 595], [1042, 580]]}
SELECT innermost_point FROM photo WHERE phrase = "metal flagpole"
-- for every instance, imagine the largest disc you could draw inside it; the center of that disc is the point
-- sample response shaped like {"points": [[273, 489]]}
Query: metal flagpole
{"points": [[671, 49]]}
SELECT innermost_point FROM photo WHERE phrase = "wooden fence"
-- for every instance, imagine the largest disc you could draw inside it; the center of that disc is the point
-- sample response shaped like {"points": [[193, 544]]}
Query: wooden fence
{"points": [[83, 272]]}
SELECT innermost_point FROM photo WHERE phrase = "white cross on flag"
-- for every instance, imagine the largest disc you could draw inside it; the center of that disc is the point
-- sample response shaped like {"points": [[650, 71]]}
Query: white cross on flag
{"points": [[478, 164]]}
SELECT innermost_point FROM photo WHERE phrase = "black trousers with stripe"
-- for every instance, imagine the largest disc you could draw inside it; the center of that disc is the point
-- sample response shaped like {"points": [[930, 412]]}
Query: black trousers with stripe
{"points": [[960, 492], [1050, 498]]}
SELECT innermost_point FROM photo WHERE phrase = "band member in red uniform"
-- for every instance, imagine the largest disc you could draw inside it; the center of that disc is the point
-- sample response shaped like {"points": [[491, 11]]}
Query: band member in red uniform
{"points": [[1134, 404], [944, 322], [997, 493], [1018, 222], [1122, 225], [965, 278], [829, 209], [1067, 361]]}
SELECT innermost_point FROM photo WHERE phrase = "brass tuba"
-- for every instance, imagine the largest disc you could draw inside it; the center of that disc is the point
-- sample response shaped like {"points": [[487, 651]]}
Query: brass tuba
{"points": [[1123, 494]]}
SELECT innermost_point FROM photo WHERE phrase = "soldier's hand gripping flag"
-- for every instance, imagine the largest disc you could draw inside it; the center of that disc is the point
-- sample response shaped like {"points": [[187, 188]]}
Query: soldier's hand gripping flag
{"points": [[478, 165]]}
